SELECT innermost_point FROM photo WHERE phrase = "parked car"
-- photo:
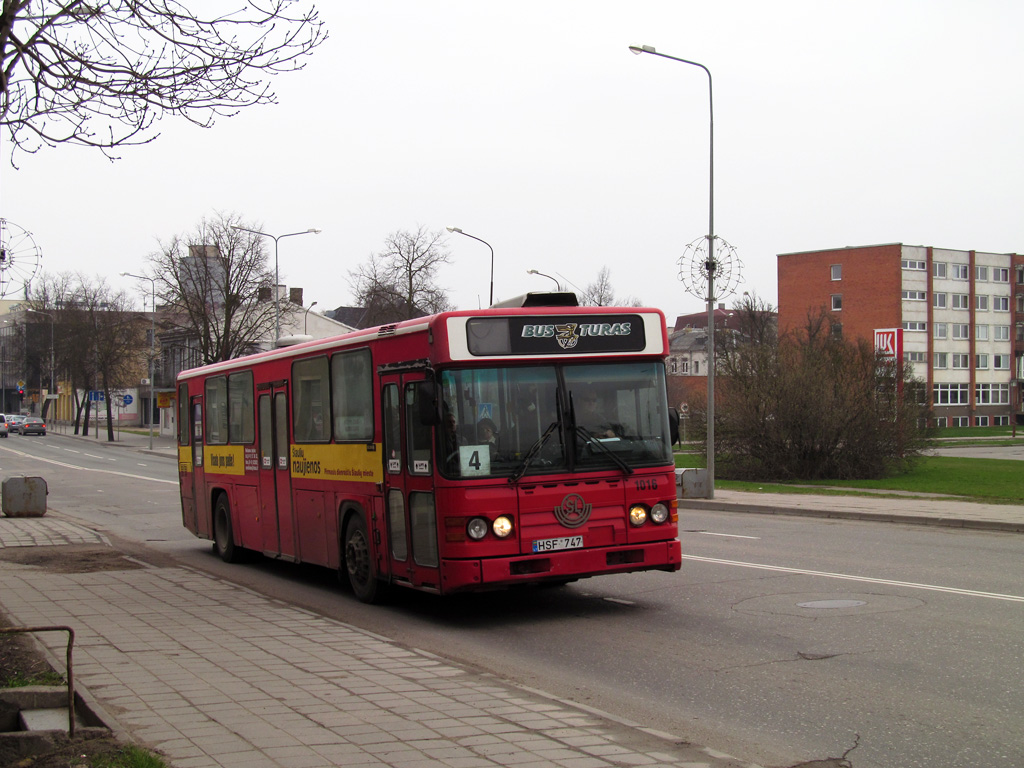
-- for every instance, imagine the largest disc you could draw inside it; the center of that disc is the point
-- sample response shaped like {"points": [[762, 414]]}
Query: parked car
{"points": [[4, 429], [32, 425], [13, 421]]}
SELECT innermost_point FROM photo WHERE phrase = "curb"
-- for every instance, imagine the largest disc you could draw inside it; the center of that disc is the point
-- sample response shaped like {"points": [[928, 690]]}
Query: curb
{"points": [[879, 517]]}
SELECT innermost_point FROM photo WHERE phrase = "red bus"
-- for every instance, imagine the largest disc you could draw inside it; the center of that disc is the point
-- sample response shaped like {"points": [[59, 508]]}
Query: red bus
{"points": [[468, 450]]}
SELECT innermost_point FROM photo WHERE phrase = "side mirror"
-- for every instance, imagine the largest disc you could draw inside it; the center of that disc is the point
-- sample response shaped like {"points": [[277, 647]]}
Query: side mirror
{"points": [[426, 403]]}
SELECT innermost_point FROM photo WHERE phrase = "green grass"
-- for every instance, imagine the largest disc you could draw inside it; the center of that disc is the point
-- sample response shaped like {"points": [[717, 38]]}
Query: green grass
{"points": [[984, 480], [46, 678], [129, 757]]}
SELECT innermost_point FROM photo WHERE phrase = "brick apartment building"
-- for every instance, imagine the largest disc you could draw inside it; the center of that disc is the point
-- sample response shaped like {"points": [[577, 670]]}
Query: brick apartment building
{"points": [[962, 315]]}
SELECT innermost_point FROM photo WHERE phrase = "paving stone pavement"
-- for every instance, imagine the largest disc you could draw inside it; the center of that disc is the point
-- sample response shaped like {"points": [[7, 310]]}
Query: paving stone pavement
{"points": [[212, 674]]}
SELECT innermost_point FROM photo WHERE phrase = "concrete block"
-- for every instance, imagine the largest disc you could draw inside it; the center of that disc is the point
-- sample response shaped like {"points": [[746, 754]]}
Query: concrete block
{"points": [[24, 496], [692, 483]]}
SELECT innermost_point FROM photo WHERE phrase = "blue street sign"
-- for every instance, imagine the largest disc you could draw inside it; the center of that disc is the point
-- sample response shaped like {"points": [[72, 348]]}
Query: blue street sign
{"points": [[128, 399]]}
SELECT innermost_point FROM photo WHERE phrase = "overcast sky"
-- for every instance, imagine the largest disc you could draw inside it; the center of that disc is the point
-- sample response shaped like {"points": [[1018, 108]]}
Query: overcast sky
{"points": [[532, 126]]}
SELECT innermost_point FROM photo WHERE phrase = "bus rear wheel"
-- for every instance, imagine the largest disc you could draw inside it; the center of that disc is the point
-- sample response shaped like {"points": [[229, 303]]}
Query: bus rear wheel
{"points": [[223, 536], [359, 562]]}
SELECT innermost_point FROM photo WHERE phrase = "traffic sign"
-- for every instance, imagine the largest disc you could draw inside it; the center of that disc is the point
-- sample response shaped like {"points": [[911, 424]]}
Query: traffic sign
{"points": [[128, 399]]}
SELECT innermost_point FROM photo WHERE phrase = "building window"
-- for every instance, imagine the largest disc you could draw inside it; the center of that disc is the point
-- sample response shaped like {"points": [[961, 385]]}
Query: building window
{"points": [[941, 360], [915, 325], [1000, 275], [981, 274], [684, 367], [961, 360], [913, 264], [1020, 275], [939, 269], [939, 300], [950, 394], [981, 303], [675, 366], [1001, 362], [914, 357], [1000, 333], [1000, 421], [981, 333], [960, 271], [940, 422], [837, 271], [981, 362], [914, 295], [981, 421], [961, 301], [992, 394], [837, 330], [940, 330], [961, 421], [696, 367], [961, 331], [837, 302], [1001, 303]]}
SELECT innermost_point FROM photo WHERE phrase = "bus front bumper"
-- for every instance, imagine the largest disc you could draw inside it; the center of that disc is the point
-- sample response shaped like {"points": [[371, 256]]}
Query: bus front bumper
{"points": [[561, 566]]}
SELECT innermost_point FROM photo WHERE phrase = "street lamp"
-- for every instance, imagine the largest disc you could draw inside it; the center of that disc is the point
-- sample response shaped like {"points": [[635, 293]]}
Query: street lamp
{"points": [[277, 278], [305, 317], [460, 232], [38, 312], [152, 352], [710, 265], [549, 277]]}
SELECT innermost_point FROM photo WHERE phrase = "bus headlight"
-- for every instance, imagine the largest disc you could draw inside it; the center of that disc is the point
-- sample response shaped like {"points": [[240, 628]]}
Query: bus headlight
{"points": [[476, 528], [502, 527], [637, 515], [659, 513]]}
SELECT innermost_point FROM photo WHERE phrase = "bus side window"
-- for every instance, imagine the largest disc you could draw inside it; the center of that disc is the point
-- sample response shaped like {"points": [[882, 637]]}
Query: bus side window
{"points": [[392, 430], [417, 432]]}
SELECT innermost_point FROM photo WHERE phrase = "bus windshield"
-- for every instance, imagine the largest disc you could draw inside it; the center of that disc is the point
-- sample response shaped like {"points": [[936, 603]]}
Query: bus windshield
{"points": [[511, 421]]}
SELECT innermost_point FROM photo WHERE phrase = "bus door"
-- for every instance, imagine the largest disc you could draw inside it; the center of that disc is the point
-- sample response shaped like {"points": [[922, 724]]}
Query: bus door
{"points": [[186, 474], [277, 520], [410, 518], [199, 493]]}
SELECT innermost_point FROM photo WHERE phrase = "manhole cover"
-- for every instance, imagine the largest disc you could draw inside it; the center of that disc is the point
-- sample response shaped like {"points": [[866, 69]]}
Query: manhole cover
{"points": [[832, 604]]}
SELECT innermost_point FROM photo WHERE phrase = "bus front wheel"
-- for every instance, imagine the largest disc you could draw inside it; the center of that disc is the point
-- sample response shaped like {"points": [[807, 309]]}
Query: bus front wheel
{"points": [[358, 561], [223, 536]]}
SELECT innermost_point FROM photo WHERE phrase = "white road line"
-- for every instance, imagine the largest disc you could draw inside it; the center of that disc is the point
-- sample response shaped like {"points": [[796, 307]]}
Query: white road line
{"points": [[88, 469], [727, 535], [93, 456], [867, 579]]}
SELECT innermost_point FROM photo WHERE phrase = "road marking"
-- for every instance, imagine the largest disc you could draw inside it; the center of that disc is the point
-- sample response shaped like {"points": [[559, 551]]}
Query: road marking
{"points": [[867, 579], [93, 456], [88, 469], [618, 600], [727, 535]]}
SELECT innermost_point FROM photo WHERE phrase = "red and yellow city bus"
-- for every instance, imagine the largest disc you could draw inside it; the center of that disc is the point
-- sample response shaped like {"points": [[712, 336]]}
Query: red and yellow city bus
{"points": [[468, 450]]}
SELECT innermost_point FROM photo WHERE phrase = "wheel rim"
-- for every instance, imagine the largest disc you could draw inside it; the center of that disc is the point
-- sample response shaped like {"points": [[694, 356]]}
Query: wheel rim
{"points": [[357, 557]]}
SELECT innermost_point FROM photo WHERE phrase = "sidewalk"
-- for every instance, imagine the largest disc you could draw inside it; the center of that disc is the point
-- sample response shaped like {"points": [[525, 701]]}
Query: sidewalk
{"points": [[212, 674]]}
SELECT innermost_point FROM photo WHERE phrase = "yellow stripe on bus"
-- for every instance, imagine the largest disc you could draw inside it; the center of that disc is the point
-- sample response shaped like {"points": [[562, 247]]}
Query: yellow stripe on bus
{"points": [[348, 462]]}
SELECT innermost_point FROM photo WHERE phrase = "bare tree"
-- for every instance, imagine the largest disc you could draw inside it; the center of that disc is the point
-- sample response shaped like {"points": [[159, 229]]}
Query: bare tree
{"points": [[101, 73], [217, 287], [812, 405], [399, 282], [99, 338], [600, 293]]}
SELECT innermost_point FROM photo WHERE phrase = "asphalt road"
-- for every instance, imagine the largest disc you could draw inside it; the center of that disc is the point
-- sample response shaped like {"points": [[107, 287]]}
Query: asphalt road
{"points": [[782, 640]]}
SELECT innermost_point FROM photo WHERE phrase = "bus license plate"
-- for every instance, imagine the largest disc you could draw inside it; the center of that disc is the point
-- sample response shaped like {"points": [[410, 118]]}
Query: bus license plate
{"points": [[564, 542]]}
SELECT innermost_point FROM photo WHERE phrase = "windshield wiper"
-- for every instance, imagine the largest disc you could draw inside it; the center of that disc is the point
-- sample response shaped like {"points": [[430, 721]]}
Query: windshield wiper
{"points": [[590, 439], [532, 453]]}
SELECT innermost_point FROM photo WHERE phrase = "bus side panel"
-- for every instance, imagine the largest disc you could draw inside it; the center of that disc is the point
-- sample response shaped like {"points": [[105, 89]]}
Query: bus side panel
{"points": [[312, 526], [245, 508]]}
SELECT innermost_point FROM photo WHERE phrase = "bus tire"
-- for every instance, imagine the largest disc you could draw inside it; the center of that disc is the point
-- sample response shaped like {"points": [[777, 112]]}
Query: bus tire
{"points": [[359, 562], [223, 535]]}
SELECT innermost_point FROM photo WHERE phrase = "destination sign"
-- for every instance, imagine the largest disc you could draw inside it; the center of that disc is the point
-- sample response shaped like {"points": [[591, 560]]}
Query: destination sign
{"points": [[555, 334]]}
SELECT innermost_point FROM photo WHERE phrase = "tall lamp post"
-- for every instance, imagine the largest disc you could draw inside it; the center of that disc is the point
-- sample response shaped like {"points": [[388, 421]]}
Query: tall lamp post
{"points": [[558, 286], [277, 277], [460, 232], [38, 312], [152, 352], [305, 318], [710, 265]]}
